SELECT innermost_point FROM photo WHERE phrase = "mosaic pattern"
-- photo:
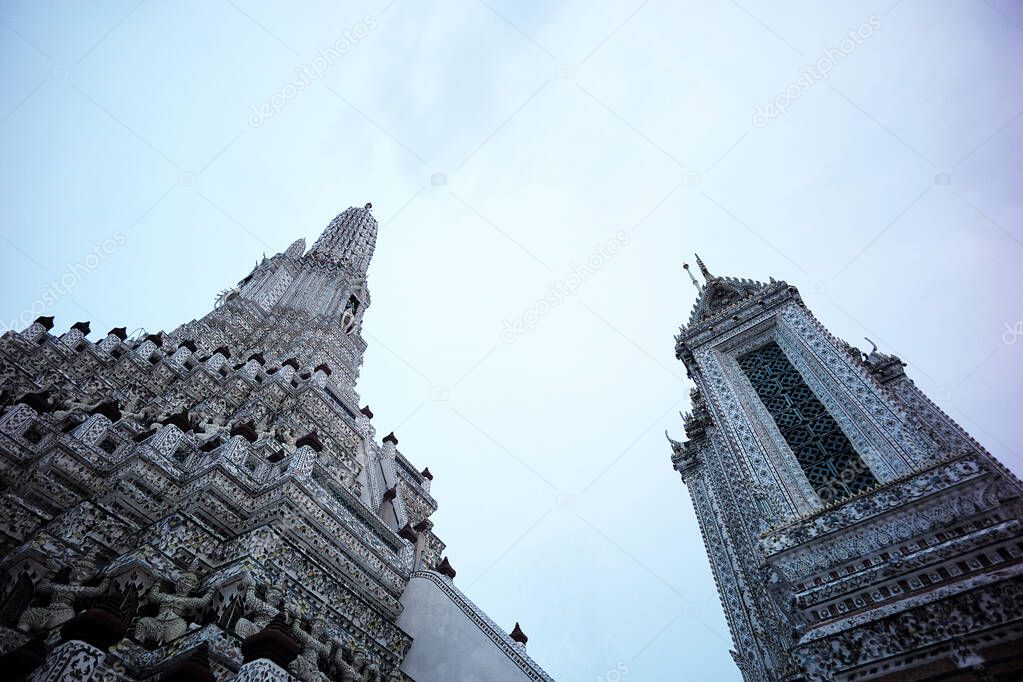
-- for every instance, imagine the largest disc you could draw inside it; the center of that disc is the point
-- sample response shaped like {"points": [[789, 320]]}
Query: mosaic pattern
{"points": [[196, 484], [830, 569], [827, 457]]}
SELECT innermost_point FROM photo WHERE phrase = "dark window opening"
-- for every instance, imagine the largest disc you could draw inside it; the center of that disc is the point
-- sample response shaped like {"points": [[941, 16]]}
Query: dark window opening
{"points": [[33, 435], [828, 459]]}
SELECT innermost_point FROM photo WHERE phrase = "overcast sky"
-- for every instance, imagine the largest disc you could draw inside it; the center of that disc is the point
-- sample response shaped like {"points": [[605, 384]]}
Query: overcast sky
{"points": [[511, 149]]}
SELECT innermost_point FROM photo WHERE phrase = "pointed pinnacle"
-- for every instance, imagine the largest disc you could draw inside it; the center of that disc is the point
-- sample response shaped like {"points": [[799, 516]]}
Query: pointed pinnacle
{"points": [[703, 268], [685, 266]]}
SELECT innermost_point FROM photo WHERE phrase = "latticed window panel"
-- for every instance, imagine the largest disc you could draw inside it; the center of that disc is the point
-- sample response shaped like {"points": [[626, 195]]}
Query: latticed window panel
{"points": [[828, 459]]}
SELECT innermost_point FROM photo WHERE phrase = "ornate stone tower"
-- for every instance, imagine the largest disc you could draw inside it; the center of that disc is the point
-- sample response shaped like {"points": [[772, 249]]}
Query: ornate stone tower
{"points": [[212, 502], [854, 530]]}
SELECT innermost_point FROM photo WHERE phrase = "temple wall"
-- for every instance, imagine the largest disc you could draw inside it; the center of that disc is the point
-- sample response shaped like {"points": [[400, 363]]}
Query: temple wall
{"points": [[452, 640]]}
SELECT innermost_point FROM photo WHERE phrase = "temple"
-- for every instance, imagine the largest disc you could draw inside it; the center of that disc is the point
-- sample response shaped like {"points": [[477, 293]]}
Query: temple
{"points": [[213, 502], [854, 530]]}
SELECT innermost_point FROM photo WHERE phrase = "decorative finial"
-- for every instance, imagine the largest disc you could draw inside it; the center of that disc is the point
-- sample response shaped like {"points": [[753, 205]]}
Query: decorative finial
{"points": [[444, 568], [692, 278], [518, 635], [703, 268], [369, 206], [874, 350]]}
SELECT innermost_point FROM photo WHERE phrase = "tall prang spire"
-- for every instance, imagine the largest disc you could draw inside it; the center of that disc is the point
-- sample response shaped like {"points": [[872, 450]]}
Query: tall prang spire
{"points": [[810, 464], [251, 407], [349, 239]]}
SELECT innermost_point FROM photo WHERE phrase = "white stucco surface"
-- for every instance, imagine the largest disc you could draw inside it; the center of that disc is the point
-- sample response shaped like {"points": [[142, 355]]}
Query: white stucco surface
{"points": [[451, 643]]}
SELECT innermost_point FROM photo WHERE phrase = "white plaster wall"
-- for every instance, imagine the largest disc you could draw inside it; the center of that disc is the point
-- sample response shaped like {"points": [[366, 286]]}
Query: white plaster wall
{"points": [[447, 645]]}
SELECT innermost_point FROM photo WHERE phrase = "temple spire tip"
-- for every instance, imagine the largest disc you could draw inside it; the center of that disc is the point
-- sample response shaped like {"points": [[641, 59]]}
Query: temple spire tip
{"points": [[703, 268], [685, 266]]}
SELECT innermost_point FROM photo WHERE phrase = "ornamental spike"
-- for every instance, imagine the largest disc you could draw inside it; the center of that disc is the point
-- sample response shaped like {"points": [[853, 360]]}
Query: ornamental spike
{"points": [[703, 268], [692, 278]]}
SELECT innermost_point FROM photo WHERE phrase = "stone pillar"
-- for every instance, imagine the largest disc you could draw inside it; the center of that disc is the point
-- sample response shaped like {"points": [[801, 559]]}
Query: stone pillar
{"points": [[390, 448], [145, 349], [72, 337], [286, 371], [166, 439], [267, 654], [92, 430], [301, 465], [262, 670], [362, 422], [215, 362], [41, 326], [113, 339], [181, 355], [320, 375], [16, 420], [251, 369], [234, 450], [285, 374], [73, 660]]}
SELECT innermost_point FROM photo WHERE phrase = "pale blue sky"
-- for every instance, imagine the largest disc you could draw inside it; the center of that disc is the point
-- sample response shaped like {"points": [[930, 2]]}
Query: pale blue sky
{"points": [[554, 127]]}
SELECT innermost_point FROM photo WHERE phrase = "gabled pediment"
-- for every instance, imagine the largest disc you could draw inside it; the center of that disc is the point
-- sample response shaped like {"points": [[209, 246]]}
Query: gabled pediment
{"points": [[718, 293], [721, 293]]}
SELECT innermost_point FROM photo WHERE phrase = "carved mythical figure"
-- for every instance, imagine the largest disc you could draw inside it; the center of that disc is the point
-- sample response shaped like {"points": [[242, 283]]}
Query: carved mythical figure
{"points": [[359, 669], [64, 593], [71, 406], [226, 295], [258, 613], [346, 670], [171, 622], [146, 415], [362, 668], [371, 673], [348, 321], [676, 446], [204, 421], [306, 665], [286, 435], [210, 434]]}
